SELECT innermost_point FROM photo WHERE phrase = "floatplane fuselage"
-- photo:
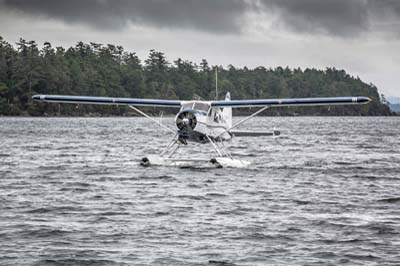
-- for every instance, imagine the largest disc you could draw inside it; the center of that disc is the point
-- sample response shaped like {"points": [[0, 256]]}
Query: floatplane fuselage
{"points": [[197, 121], [203, 121]]}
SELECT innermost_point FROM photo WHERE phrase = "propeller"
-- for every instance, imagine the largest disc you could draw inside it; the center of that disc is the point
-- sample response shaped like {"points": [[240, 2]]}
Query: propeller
{"points": [[186, 120]]}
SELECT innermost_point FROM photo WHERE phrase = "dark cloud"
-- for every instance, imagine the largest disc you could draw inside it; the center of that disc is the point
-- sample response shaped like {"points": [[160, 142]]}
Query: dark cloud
{"points": [[345, 18], [206, 15], [337, 17], [389, 9]]}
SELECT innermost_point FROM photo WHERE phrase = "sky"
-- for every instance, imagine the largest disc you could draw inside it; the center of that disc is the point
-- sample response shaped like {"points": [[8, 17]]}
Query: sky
{"points": [[359, 36]]}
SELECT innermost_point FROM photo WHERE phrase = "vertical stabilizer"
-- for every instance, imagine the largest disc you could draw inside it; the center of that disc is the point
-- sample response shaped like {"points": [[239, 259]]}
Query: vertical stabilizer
{"points": [[216, 83], [227, 111]]}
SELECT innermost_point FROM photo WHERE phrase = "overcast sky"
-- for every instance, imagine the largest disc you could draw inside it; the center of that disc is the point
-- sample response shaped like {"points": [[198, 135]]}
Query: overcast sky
{"points": [[360, 36]]}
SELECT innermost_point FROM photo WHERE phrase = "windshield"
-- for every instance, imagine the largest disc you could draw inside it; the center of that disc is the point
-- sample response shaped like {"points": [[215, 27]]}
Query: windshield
{"points": [[200, 106]]}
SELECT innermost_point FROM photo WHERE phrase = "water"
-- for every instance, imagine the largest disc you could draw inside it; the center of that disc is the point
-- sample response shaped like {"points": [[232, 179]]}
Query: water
{"points": [[326, 192]]}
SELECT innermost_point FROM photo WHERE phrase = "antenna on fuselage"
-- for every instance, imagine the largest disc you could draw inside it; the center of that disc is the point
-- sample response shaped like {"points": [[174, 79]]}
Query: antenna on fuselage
{"points": [[216, 83]]}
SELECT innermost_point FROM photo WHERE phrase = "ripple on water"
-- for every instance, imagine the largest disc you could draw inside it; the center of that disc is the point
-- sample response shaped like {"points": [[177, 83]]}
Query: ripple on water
{"points": [[323, 193]]}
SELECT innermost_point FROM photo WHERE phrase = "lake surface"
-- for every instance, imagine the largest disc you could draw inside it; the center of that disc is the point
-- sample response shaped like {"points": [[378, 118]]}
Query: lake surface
{"points": [[326, 192]]}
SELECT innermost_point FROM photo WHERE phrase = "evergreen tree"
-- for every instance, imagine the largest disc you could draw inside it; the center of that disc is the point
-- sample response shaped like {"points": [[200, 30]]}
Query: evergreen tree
{"points": [[107, 70]]}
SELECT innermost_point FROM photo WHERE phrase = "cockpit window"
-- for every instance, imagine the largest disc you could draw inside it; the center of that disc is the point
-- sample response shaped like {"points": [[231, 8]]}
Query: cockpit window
{"points": [[201, 106], [188, 105]]}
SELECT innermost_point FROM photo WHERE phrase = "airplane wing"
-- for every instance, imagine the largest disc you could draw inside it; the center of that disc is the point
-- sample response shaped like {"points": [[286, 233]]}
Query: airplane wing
{"points": [[177, 103], [106, 100], [247, 133], [292, 102]]}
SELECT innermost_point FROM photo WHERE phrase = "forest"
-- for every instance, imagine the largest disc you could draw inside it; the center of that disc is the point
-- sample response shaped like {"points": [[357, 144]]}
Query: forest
{"points": [[108, 70]]}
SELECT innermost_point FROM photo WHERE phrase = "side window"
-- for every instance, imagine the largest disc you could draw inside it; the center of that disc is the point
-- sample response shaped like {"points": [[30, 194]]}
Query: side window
{"points": [[217, 116]]}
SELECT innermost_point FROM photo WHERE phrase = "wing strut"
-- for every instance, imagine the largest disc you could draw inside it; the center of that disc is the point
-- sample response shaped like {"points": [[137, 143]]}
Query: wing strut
{"points": [[242, 121], [152, 119]]}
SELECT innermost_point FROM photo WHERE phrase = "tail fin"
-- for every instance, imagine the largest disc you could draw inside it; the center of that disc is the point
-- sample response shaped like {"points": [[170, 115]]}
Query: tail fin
{"points": [[227, 111], [228, 96]]}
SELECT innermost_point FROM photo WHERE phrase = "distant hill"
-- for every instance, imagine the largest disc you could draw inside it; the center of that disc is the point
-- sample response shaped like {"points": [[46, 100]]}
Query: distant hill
{"points": [[394, 103], [393, 100], [108, 70], [395, 108]]}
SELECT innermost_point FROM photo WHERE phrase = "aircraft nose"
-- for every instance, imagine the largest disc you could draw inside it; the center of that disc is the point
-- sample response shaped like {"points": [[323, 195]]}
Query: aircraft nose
{"points": [[36, 97], [186, 120]]}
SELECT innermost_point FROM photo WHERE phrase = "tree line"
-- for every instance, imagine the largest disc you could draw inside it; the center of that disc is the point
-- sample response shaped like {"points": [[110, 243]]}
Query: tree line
{"points": [[108, 70]]}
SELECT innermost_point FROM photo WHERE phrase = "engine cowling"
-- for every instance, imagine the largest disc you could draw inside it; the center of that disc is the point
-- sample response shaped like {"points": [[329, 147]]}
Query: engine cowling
{"points": [[186, 120]]}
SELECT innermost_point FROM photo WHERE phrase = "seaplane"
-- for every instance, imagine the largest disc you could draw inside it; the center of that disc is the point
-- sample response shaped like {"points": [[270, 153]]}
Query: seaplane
{"points": [[205, 122]]}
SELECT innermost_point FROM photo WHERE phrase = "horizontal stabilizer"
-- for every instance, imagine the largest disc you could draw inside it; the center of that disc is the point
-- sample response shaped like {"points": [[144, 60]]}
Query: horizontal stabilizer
{"points": [[246, 133]]}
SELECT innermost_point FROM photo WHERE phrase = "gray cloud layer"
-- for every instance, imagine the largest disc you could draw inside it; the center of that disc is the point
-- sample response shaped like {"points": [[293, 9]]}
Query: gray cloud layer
{"points": [[206, 15], [337, 17], [334, 17]]}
